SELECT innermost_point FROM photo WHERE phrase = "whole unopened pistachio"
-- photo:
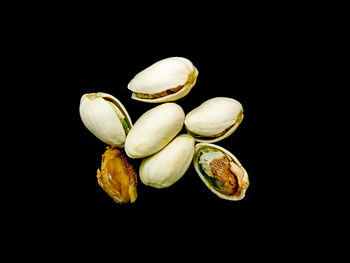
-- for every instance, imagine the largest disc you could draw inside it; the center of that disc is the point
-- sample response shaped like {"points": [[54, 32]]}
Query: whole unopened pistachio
{"points": [[166, 80], [117, 177], [106, 117], [154, 130], [215, 119], [167, 166]]}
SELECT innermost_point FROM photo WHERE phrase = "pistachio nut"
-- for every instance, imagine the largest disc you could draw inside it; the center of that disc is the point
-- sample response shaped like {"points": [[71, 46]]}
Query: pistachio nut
{"points": [[220, 171], [117, 177], [167, 166], [154, 129], [166, 80], [106, 117], [214, 119]]}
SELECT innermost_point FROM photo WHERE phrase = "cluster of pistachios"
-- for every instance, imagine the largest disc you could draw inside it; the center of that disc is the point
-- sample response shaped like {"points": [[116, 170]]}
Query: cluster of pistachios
{"points": [[155, 136]]}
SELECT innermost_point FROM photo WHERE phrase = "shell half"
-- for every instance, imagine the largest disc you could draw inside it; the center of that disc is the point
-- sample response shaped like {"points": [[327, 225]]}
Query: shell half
{"points": [[228, 181]]}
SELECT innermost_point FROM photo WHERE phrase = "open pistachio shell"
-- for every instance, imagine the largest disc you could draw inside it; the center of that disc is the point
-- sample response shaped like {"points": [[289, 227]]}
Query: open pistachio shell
{"points": [[214, 119], [167, 166], [166, 80], [220, 171], [105, 117], [154, 130]]}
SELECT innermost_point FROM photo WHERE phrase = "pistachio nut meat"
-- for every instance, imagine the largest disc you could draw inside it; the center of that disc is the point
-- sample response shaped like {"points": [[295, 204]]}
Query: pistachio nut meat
{"points": [[117, 177], [154, 130], [166, 80], [167, 166], [220, 171], [214, 120], [105, 117]]}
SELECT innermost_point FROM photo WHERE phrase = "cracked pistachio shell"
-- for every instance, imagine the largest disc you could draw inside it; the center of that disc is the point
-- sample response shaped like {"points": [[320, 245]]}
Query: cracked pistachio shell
{"points": [[154, 130], [241, 174], [167, 166], [102, 114], [214, 119], [156, 81]]}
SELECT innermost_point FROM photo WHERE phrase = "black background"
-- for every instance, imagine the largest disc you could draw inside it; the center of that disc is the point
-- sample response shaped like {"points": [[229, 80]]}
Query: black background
{"points": [[271, 58], [249, 60], [247, 70]]}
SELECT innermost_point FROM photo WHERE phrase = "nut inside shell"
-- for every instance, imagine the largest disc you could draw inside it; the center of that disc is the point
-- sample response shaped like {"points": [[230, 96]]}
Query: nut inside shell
{"points": [[221, 171]]}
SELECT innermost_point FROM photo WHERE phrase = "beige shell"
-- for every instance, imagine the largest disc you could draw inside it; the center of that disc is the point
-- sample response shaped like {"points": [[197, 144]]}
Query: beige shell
{"points": [[167, 166], [215, 116], [243, 186], [102, 113], [154, 130], [164, 75]]}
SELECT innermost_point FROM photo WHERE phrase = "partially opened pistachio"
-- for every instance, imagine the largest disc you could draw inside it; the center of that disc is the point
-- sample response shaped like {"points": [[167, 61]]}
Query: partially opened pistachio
{"points": [[167, 166], [106, 117], [166, 80], [214, 119], [220, 171], [117, 177], [154, 129]]}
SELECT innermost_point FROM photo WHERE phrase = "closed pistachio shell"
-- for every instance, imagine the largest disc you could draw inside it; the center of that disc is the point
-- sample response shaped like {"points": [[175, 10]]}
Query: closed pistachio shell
{"points": [[167, 166], [105, 117], [220, 171], [154, 130], [166, 80], [214, 119]]}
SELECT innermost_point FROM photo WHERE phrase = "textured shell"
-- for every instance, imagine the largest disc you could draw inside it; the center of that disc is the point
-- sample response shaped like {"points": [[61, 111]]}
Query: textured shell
{"points": [[154, 130], [245, 177], [167, 166], [165, 74], [213, 117], [100, 118]]}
